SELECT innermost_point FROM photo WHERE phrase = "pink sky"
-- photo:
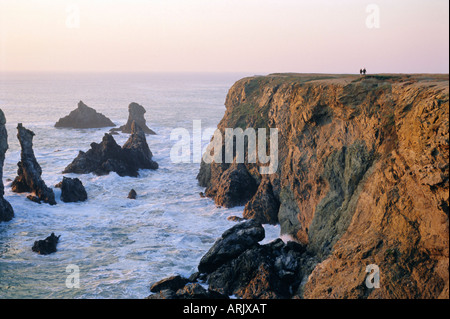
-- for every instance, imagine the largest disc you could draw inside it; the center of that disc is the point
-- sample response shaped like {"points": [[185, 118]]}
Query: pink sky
{"points": [[258, 36]]}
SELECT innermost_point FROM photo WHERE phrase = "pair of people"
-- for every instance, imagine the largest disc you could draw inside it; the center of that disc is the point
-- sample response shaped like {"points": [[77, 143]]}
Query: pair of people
{"points": [[362, 71]]}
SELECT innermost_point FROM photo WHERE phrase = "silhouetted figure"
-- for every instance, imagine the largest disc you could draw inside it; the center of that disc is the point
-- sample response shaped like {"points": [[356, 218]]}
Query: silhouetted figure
{"points": [[360, 71], [364, 71]]}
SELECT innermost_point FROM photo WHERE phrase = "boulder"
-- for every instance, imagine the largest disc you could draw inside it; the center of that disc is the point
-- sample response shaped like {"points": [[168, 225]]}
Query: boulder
{"points": [[72, 190], [84, 117], [6, 210], [172, 283], [135, 114], [108, 157], [29, 173], [233, 242], [46, 246], [132, 194]]}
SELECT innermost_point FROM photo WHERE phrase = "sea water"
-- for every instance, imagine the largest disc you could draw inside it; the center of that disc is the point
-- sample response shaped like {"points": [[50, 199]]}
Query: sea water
{"points": [[119, 245]]}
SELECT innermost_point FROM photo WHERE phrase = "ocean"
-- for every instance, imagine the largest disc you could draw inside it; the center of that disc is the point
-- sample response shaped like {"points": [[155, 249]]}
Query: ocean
{"points": [[119, 245]]}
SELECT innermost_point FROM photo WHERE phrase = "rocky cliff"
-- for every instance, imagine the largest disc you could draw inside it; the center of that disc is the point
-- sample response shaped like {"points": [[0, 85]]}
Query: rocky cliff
{"points": [[6, 211], [362, 177]]}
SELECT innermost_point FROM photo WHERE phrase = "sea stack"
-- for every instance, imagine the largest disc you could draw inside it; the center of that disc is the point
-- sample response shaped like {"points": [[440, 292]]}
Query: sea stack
{"points": [[135, 114], [6, 210], [72, 190], [29, 173], [84, 117], [108, 156], [46, 246]]}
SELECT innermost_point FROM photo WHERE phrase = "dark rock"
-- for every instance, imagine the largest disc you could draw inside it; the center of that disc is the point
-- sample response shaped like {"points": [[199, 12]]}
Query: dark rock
{"points": [[132, 194], [108, 157], [251, 275], [194, 277], [84, 117], [263, 207], [34, 198], [72, 190], [189, 291], [137, 151], [202, 195], [171, 283], [235, 188], [238, 265], [233, 242], [294, 246], [6, 210], [135, 114], [196, 291], [29, 173], [235, 218], [262, 272], [164, 294], [46, 246]]}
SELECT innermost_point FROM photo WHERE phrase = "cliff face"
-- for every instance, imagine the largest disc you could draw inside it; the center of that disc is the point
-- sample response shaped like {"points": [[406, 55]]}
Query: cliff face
{"points": [[6, 211], [362, 177]]}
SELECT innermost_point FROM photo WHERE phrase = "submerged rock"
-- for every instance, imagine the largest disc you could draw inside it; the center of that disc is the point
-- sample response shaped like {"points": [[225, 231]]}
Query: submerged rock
{"points": [[72, 190], [46, 246], [135, 114], [84, 117], [132, 194], [29, 173], [6, 210], [108, 156]]}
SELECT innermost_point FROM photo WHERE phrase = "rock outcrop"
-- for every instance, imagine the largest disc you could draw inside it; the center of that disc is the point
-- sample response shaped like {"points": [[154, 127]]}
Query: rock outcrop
{"points": [[108, 156], [29, 173], [236, 187], [232, 243], [238, 265], [263, 206], [72, 190], [362, 178], [132, 194], [6, 210], [46, 246], [84, 117], [135, 114]]}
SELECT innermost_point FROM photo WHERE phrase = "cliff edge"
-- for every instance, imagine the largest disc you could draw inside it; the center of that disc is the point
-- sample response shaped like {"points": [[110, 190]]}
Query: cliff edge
{"points": [[362, 177]]}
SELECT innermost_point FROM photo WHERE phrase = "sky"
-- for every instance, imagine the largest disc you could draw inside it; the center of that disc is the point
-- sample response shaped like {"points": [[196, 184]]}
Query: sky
{"points": [[258, 36]]}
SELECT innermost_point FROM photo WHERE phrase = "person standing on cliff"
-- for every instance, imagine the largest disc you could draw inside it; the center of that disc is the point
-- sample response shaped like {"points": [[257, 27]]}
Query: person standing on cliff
{"points": [[360, 71], [364, 71]]}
